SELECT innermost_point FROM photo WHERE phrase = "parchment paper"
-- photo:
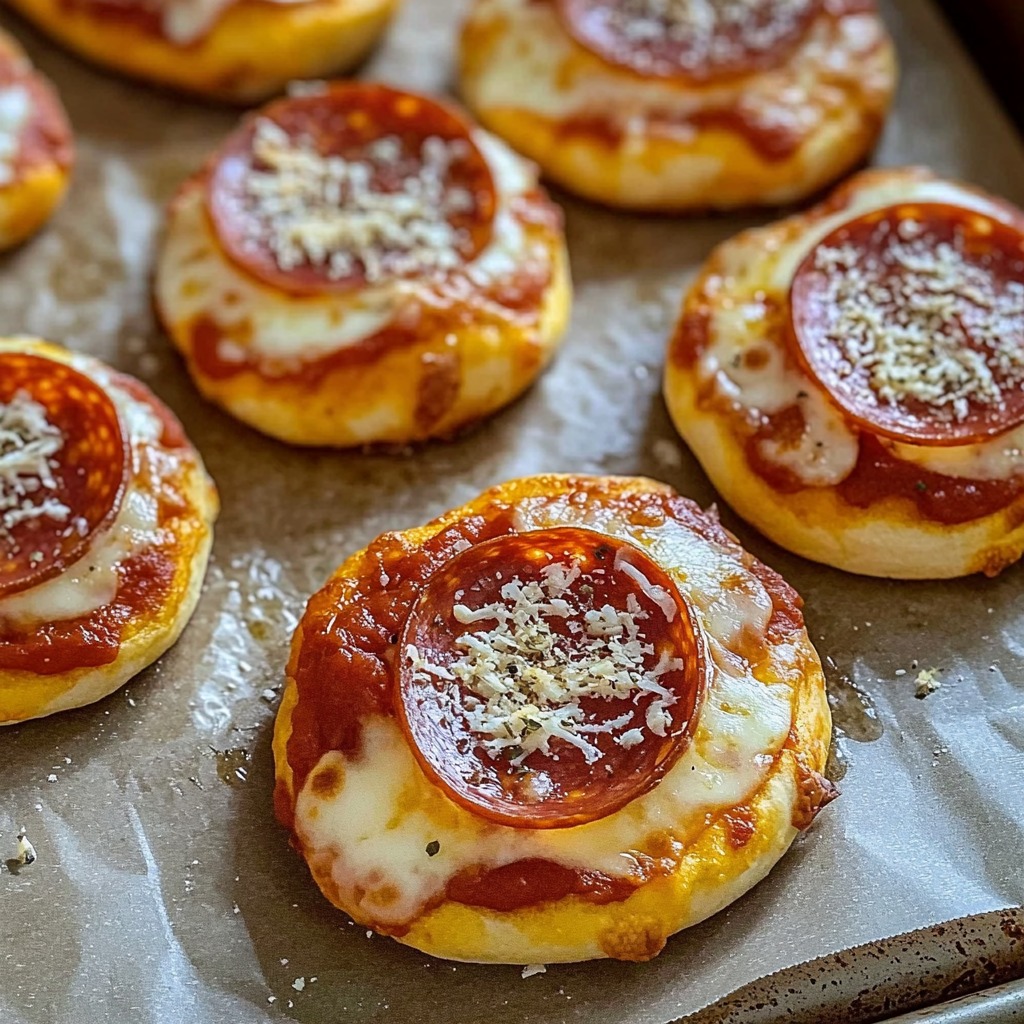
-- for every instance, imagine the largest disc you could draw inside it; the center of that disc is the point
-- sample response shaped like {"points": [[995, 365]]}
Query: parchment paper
{"points": [[165, 891]]}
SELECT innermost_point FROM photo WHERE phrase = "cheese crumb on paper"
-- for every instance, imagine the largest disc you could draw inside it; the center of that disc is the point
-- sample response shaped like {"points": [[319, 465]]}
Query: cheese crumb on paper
{"points": [[926, 683], [26, 851]]}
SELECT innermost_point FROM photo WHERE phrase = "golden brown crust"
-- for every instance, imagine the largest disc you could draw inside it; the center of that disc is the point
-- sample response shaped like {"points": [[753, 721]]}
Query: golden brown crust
{"points": [[711, 153], [252, 51], [711, 868], [150, 632], [891, 537]]}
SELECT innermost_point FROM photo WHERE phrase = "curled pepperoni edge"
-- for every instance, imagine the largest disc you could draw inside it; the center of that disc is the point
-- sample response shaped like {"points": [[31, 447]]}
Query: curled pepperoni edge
{"points": [[230, 163], [533, 816], [18, 582], [811, 358]]}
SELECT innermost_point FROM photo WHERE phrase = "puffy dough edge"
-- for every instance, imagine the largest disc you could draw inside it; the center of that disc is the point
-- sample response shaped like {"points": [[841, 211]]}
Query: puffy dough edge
{"points": [[37, 696], [661, 175], [292, 41], [388, 386], [711, 875], [888, 540]]}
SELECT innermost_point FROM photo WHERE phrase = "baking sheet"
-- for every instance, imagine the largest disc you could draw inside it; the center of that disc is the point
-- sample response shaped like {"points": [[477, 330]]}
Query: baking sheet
{"points": [[164, 889]]}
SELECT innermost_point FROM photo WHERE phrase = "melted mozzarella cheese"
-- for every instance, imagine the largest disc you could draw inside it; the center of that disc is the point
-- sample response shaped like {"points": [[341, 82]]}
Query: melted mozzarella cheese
{"points": [[386, 813], [15, 109], [92, 582], [194, 279], [827, 452], [536, 66]]}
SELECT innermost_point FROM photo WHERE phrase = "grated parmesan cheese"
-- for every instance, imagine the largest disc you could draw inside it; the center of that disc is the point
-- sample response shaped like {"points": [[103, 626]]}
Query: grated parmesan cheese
{"points": [[709, 33], [28, 444], [331, 213], [904, 316], [525, 680]]}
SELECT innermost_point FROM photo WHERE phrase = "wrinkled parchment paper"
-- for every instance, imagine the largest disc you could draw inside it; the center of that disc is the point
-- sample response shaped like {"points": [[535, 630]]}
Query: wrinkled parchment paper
{"points": [[164, 890]]}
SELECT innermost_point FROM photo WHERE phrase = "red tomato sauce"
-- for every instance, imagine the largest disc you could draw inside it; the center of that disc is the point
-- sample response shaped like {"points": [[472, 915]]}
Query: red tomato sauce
{"points": [[94, 640]]}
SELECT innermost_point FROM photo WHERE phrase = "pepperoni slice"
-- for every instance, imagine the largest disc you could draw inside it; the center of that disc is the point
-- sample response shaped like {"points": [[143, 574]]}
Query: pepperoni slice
{"points": [[354, 185], [694, 39], [912, 318], [63, 467], [548, 678]]}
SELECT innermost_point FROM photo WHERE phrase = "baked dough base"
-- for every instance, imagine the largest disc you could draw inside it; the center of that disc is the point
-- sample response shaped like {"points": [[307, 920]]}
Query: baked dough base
{"points": [[890, 539], [711, 874], [468, 372], [711, 168], [252, 51], [26, 695]]}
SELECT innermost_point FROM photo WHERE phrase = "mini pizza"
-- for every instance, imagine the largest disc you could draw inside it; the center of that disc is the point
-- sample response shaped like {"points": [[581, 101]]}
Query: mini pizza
{"points": [[852, 378], [678, 105], [359, 265], [36, 151], [106, 520], [560, 723], [234, 50]]}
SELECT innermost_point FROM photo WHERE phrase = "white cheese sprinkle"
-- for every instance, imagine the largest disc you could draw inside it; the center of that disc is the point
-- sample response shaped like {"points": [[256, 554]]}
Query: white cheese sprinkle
{"points": [[28, 444], [709, 33], [525, 679], [531, 969], [904, 315], [332, 213]]}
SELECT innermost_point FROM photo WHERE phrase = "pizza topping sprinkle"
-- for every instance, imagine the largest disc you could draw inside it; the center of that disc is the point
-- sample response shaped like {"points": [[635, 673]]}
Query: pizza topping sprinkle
{"points": [[326, 211], [350, 186], [28, 444], [915, 315], [549, 677], [526, 683], [694, 38]]}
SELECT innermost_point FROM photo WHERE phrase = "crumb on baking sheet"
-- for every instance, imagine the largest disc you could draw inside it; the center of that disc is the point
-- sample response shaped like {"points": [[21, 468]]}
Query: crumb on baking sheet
{"points": [[531, 969], [926, 683], [26, 851]]}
